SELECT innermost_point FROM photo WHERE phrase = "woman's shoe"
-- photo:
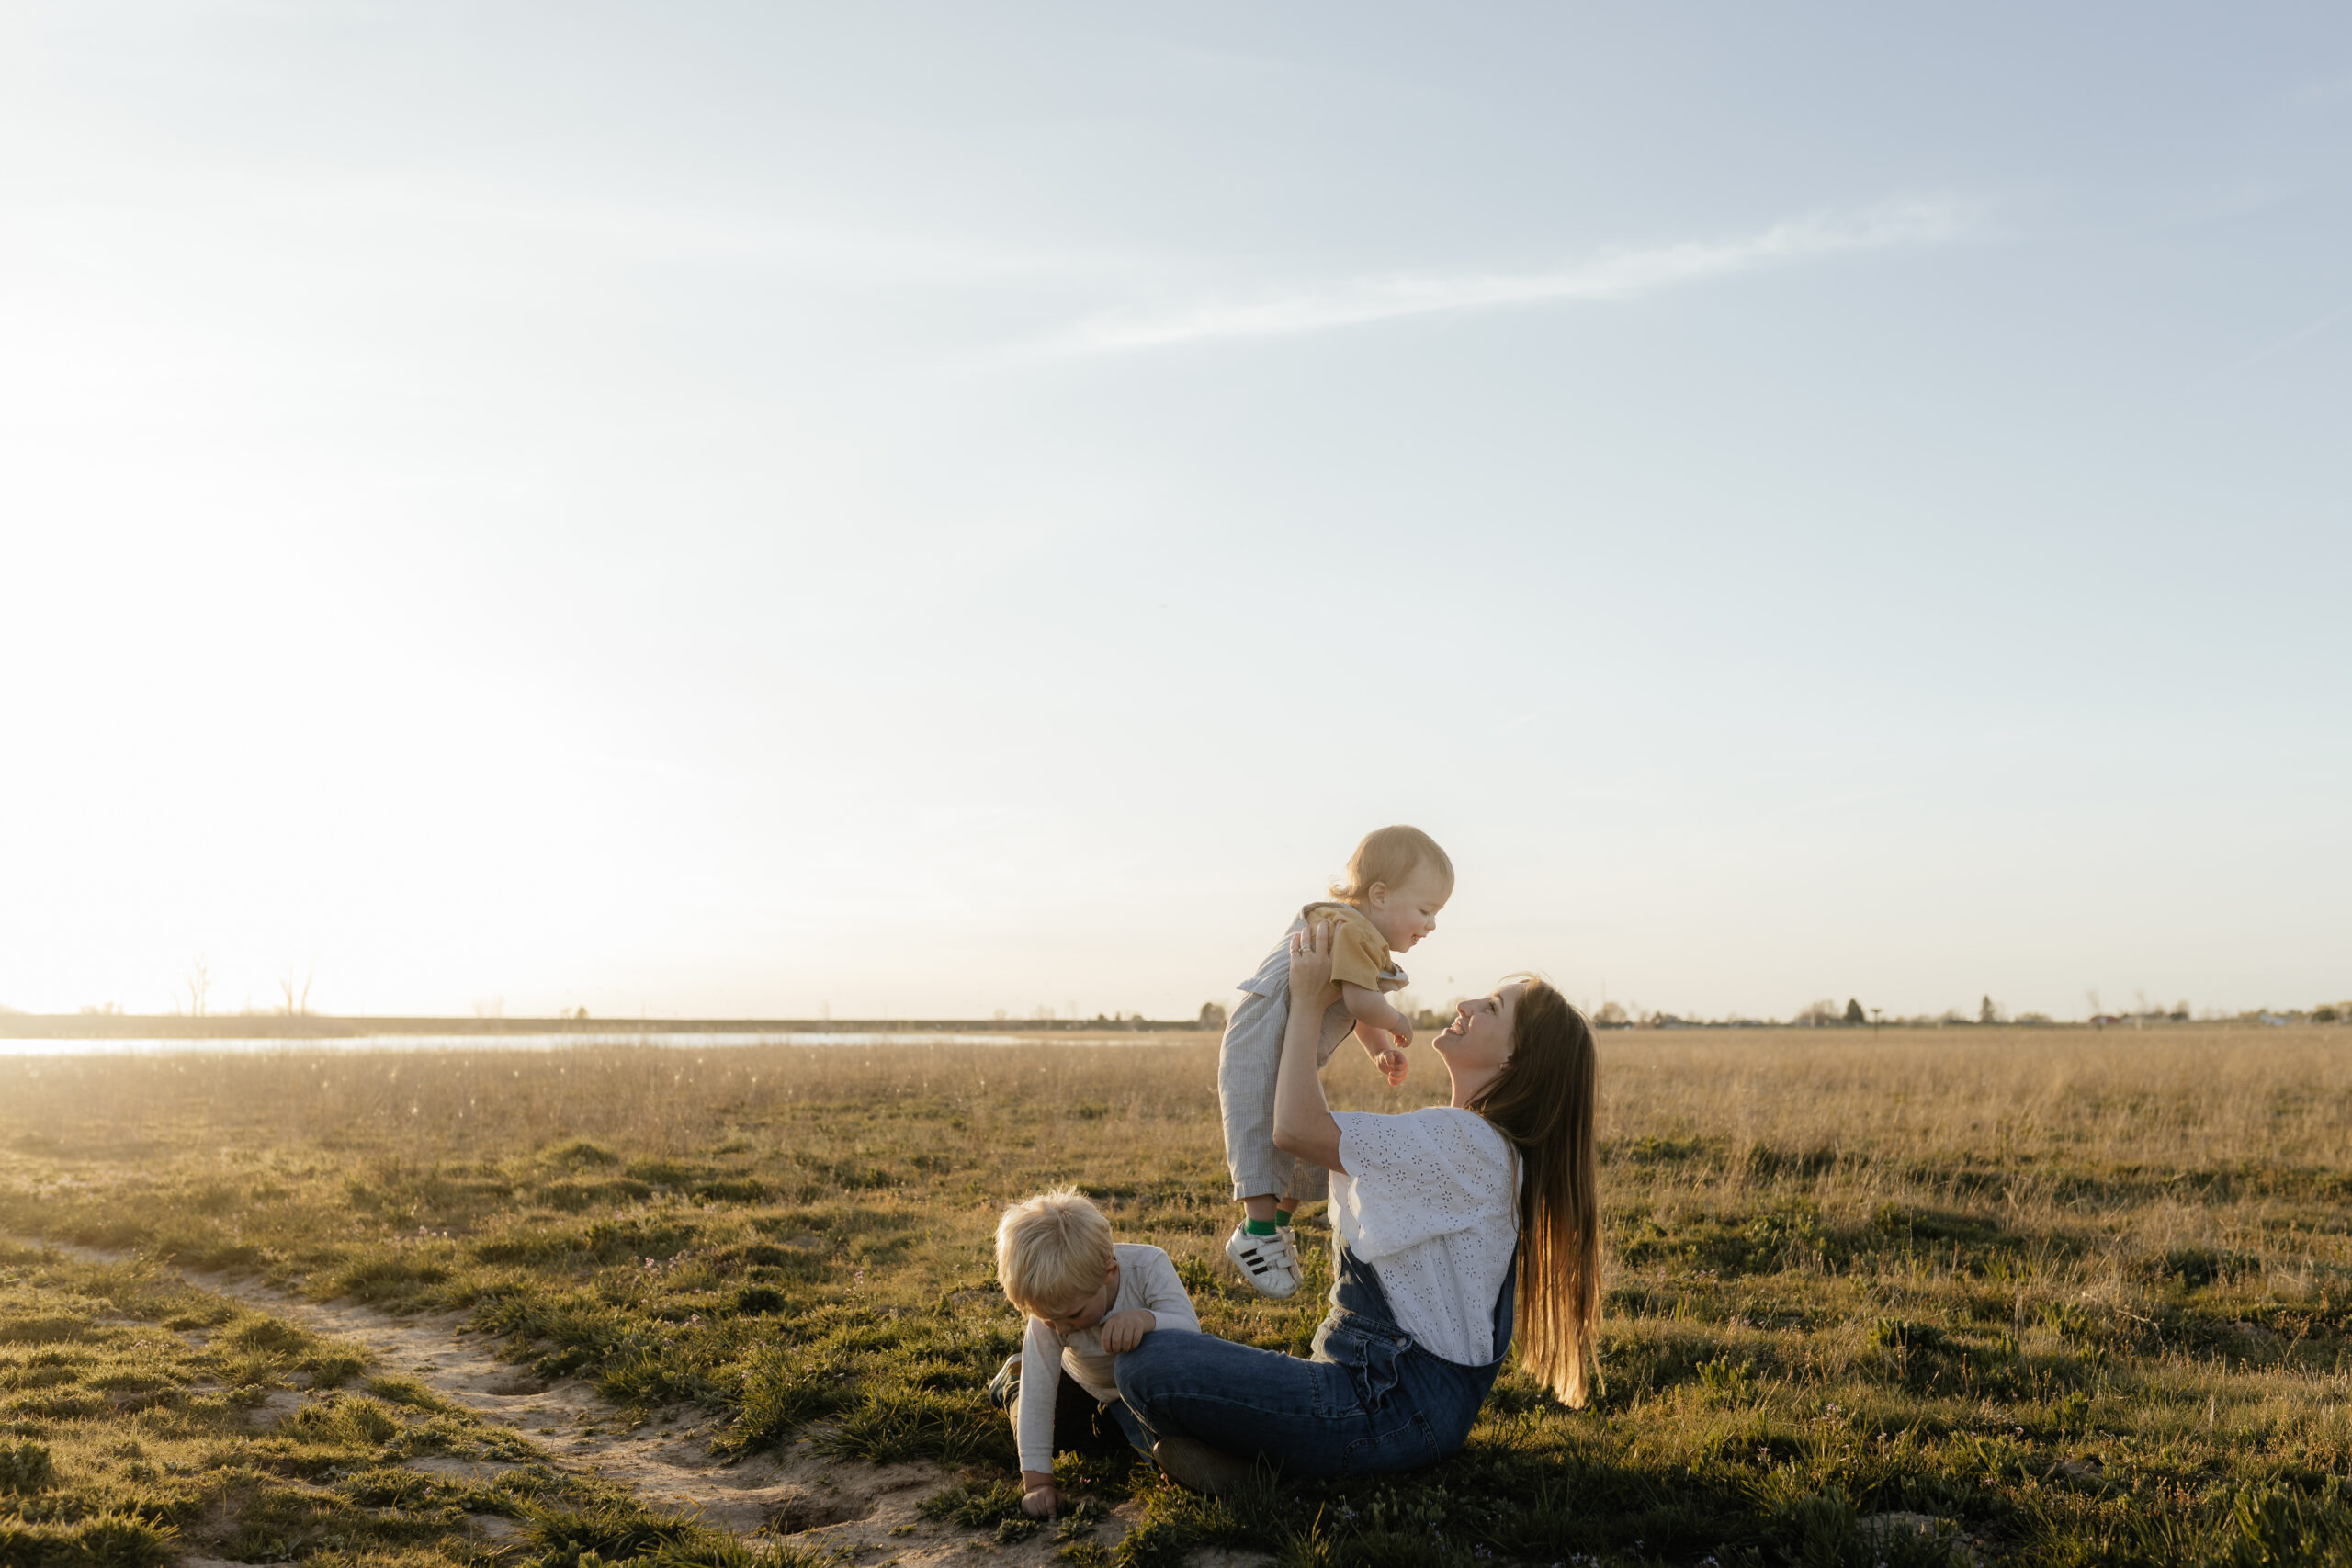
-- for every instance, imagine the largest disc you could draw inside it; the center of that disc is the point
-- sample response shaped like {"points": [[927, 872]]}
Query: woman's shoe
{"points": [[1266, 1261], [1197, 1467]]}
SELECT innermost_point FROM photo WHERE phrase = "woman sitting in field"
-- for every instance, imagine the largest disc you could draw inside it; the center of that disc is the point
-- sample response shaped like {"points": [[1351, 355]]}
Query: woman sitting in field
{"points": [[1437, 1212]]}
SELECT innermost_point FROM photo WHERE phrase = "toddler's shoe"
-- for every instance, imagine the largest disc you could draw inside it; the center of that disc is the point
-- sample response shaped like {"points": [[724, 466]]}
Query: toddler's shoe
{"points": [[1007, 1381], [1266, 1261]]}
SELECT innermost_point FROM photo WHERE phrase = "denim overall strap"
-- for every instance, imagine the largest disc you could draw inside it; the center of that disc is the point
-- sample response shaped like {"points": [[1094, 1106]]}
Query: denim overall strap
{"points": [[1357, 1292], [1506, 1318], [1359, 1305]]}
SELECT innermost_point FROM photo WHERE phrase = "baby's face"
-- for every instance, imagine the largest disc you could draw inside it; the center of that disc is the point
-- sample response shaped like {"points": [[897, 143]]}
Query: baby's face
{"points": [[1408, 913]]}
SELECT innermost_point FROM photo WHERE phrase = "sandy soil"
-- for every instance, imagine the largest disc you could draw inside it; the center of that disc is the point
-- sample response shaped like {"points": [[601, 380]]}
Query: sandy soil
{"points": [[831, 1504]]}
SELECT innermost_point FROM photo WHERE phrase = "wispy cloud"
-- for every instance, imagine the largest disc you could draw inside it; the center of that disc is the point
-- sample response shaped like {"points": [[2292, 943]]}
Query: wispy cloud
{"points": [[1614, 274]]}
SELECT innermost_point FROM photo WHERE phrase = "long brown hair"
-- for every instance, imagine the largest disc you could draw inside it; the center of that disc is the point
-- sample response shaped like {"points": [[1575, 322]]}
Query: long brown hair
{"points": [[1542, 1101]]}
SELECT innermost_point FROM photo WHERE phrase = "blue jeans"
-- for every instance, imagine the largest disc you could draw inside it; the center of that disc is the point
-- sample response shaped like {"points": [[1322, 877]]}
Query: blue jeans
{"points": [[1369, 1400], [1129, 1427]]}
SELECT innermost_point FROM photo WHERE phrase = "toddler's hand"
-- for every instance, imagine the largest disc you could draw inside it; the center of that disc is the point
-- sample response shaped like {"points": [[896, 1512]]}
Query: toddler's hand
{"points": [[1041, 1504], [1123, 1331], [1390, 1062]]}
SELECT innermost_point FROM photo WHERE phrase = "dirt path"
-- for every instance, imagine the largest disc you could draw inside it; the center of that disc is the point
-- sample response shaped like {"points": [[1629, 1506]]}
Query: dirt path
{"points": [[825, 1503]]}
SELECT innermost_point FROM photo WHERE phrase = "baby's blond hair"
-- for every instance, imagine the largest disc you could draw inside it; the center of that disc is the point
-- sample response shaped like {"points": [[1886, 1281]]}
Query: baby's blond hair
{"points": [[1052, 1251], [1390, 855]]}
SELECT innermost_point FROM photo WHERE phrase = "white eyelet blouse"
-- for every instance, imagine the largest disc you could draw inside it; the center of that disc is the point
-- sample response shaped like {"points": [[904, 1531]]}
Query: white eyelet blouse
{"points": [[1430, 1201]]}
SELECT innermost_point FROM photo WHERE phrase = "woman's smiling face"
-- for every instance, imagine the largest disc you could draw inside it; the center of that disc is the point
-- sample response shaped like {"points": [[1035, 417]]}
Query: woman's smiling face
{"points": [[1479, 1037]]}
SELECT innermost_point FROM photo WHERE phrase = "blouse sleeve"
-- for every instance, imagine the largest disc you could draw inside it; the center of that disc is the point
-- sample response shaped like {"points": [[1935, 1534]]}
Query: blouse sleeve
{"points": [[1411, 1179]]}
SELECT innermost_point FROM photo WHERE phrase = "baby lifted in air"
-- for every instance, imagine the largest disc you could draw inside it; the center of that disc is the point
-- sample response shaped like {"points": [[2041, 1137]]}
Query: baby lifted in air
{"points": [[1397, 882]]}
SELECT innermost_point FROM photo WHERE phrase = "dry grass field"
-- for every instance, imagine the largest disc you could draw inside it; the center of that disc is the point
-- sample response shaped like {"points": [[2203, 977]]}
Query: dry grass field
{"points": [[2036, 1296]]}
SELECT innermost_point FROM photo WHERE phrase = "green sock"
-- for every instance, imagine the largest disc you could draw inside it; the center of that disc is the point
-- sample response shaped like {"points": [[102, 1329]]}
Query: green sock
{"points": [[1281, 1218], [1259, 1227]]}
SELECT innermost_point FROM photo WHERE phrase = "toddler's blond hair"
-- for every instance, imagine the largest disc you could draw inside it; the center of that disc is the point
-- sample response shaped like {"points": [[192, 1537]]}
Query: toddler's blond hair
{"points": [[1390, 855], [1052, 1251]]}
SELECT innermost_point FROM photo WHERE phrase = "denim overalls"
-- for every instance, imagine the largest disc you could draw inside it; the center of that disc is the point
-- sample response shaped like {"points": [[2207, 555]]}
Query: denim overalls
{"points": [[1369, 1401]]}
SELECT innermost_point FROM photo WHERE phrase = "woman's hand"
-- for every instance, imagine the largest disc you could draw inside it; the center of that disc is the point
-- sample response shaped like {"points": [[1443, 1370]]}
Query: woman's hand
{"points": [[1039, 1503], [1311, 964]]}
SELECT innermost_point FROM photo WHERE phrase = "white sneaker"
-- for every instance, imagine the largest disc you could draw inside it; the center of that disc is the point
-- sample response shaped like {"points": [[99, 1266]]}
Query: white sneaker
{"points": [[1266, 1261]]}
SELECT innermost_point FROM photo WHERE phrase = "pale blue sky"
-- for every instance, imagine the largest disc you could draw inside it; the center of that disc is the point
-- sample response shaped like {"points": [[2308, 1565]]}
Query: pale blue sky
{"points": [[726, 510]]}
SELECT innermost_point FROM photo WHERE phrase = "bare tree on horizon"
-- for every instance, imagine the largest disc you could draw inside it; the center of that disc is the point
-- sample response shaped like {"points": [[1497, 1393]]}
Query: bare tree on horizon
{"points": [[196, 980]]}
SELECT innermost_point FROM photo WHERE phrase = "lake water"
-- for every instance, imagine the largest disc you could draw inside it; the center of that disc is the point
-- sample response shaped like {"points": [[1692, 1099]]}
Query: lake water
{"points": [[687, 1041]]}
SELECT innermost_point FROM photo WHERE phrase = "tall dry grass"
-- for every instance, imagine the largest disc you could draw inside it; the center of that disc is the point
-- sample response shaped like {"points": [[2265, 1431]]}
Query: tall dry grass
{"points": [[2154, 1140], [642, 1101], [2181, 1096], [2177, 1098]]}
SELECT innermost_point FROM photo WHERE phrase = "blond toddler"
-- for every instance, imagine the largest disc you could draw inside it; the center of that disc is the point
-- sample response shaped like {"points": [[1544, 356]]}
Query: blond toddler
{"points": [[1397, 882], [1087, 1299]]}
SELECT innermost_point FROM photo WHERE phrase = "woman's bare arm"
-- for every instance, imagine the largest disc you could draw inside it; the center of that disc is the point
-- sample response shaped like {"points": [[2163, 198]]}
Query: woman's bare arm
{"points": [[1303, 1121]]}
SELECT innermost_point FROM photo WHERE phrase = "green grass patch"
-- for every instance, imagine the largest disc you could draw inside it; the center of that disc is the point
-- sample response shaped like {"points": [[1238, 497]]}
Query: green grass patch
{"points": [[132, 1441]]}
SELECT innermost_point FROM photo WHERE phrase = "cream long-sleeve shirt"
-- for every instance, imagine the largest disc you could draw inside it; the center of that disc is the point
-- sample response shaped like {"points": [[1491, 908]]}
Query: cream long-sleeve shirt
{"points": [[1147, 1279]]}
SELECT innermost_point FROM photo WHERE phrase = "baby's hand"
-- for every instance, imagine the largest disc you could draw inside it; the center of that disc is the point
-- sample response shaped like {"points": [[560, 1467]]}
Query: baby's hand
{"points": [[1125, 1330], [1390, 1061]]}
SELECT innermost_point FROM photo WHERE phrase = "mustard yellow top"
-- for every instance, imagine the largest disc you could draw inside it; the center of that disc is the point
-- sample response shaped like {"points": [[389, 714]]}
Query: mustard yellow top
{"points": [[1359, 953]]}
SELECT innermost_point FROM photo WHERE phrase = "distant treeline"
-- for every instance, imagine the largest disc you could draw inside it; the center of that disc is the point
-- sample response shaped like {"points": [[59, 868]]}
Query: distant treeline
{"points": [[115, 1026], [318, 1026]]}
